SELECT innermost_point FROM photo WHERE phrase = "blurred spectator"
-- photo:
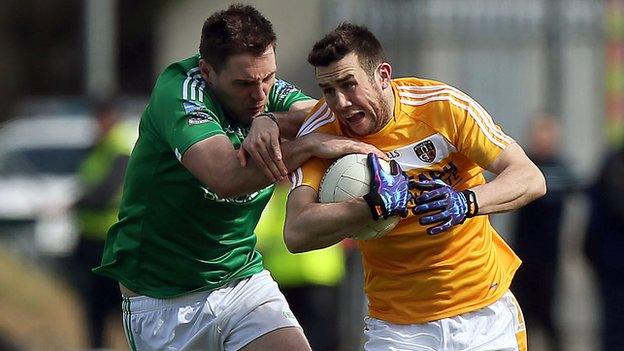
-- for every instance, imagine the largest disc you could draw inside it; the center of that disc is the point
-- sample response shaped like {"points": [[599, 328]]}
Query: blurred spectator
{"points": [[101, 175], [604, 245], [309, 281], [7, 345], [537, 232]]}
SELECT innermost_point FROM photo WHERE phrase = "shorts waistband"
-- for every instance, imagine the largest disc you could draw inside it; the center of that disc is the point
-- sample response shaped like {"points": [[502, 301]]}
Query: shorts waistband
{"points": [[138, 304], [142, 303]]}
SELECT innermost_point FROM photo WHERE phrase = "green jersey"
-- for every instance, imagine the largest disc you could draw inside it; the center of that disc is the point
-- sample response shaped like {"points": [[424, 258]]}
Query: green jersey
{"points": [[174, 234]]}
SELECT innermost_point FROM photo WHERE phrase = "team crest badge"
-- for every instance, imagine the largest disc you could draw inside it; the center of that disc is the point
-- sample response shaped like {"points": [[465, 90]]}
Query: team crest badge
{"points": [[425, 151], [200, 117]]}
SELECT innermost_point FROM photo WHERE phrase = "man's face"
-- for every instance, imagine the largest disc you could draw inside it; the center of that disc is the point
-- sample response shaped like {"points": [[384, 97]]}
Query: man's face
{"points": [[355, 98], [243, 85]]}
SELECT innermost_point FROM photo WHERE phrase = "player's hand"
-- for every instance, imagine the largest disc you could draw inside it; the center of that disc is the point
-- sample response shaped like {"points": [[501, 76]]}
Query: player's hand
{"points": [[440, 203], [389, 193], [262, 144], [332, 146]]}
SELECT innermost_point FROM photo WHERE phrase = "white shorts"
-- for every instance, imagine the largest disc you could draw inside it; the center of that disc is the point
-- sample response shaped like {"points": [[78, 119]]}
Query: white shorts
{"points": [[499, 326], [227, 318]]}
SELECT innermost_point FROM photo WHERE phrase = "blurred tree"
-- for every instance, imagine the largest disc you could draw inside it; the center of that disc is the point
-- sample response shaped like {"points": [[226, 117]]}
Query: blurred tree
{"points": [[137, 45], [49, 58], [42, 45], [39, 54]]}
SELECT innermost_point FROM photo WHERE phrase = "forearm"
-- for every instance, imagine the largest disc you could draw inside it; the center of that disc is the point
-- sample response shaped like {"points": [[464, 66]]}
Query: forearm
{"points": [[296, 152], [232, 179], [248, 179], [320, 225], [289, 123], [512, 188]]}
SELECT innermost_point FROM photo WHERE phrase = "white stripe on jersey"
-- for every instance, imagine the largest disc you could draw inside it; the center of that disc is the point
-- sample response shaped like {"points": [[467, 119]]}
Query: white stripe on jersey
{"points": [[202, 85], [189, 76], [197, 85], [482, 114], [295, 178], [193, 89], [184, 90], [447, 89], [464, 107], [483, 119], [320, 118]]}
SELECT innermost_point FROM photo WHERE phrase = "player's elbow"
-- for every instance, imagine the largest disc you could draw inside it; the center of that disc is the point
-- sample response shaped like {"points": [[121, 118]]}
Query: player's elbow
{"points": [[537, 187], [293, 240], [228, 189], [293, 244]]}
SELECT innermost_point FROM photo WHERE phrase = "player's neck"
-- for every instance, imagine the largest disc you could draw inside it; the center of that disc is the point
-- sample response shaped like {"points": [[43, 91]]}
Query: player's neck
{"points": [[388, 96]]}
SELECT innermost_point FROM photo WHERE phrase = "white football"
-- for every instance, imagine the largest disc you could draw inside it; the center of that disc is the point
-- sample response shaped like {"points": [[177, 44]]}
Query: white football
{"points": [[348, 177]]}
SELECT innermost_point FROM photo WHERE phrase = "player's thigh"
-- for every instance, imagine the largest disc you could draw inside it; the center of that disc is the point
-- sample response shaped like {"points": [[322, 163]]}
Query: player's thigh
{"points": [[260, 312], [287, 339]]}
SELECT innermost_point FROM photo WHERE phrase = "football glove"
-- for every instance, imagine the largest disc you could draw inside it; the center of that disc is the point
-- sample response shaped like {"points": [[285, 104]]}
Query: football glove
{"points": [[452, 206], [389, 193]]}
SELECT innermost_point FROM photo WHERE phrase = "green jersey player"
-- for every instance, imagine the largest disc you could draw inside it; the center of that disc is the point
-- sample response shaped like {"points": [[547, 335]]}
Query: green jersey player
{"points": [[183, 248]]}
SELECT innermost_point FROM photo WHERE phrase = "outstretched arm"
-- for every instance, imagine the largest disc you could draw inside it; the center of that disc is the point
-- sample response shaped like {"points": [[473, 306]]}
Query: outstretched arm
{"points": [[214, 161]]}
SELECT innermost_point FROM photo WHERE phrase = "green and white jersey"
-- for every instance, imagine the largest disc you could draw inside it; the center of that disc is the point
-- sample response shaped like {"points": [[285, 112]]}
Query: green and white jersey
{"points": [[175, 235]]}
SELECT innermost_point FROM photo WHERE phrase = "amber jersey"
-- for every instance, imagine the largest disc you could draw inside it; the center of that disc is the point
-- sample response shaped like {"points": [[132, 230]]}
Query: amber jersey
{"points": [[412, 277]]}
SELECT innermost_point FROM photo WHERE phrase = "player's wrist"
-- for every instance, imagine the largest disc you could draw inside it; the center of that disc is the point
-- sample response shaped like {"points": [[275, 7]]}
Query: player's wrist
{"points": [[268, 115], [471, 201], [375, 204]]}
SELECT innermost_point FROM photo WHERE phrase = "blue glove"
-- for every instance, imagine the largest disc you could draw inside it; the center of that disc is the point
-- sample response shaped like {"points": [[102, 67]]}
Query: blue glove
{"points": [[389, 193], [452, 206]]}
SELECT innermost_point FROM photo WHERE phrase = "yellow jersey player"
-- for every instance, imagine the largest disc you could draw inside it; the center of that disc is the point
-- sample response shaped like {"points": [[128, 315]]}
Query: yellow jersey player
{"points": [[440, 280]]}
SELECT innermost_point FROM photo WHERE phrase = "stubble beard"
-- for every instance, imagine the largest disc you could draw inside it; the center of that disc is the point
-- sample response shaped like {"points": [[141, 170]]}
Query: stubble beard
{"points": [[382, 112]]}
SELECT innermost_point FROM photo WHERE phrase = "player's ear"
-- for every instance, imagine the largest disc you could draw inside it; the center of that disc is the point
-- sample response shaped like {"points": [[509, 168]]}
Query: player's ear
{"points": [[384, 70], [206, 70]]}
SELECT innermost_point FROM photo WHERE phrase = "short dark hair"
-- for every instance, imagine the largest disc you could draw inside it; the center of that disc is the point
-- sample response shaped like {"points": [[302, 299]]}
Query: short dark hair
{"points": [[347, 38], [239, 29]]}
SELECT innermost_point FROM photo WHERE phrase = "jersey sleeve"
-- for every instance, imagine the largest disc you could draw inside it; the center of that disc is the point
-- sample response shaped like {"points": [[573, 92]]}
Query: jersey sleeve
{"points": [[468, 126], [283, 95], [320, 119], [183, 115], [310, 173]]}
